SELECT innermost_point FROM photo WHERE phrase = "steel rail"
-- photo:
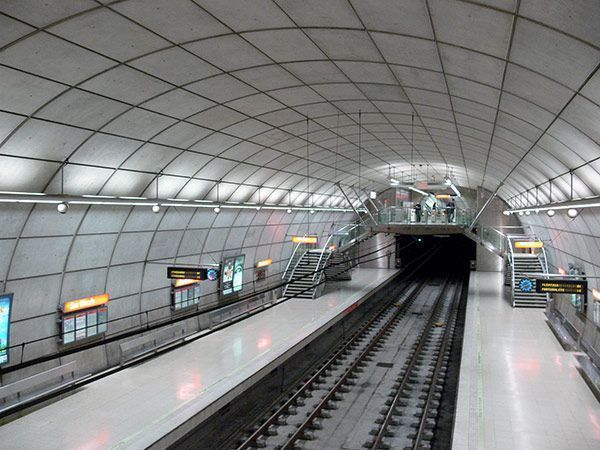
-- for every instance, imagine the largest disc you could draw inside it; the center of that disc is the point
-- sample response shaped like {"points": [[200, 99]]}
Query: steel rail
{"points": [[377, 442], [299, 433], [250, 442], [448, 333]]}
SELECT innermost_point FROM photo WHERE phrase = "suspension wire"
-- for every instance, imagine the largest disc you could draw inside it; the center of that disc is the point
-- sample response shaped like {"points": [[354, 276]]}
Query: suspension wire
{"points": [[337, 148], [412, 148], [359, 151], [307, 179]]}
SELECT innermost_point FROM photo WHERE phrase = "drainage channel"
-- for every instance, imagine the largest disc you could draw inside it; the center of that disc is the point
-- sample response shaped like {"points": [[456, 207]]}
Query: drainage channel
{"points": [[393, 365]]}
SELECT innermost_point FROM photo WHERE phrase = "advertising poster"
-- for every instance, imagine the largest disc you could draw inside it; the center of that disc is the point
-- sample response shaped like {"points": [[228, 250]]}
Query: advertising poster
{"points": [[238, 273], [68, 329], [92, 317], [5, 306], [227, 276], [80, 331], [102, 319]]}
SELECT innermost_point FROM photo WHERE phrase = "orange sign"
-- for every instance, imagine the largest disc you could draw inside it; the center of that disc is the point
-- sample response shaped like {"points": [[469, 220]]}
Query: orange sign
{"points": [[84, 303], [442, 196], [304, 239], [264, 263], [185, 282], [529, 244]]}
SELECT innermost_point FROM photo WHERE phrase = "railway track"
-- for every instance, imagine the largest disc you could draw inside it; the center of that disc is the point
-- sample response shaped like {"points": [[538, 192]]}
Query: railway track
{"points": [[353, 401]]}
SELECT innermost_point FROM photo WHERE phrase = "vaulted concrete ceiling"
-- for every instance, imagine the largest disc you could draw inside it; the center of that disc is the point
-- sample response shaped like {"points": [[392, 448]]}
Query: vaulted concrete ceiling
{"points": [[208, 90]]}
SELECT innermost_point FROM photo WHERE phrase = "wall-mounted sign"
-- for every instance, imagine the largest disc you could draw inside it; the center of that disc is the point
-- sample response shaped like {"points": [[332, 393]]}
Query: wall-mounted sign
{"points": [[527, 285], [5, 308], [183, 282], [264, 263], [84, 318], [233, 274], [187, 273], [529, 244], [555, 286], [85, 303], [212, 274], [443, 196], [192, 273], [304, 239]]}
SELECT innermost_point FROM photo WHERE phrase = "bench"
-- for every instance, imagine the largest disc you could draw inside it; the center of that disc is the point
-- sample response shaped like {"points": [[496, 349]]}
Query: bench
{"points": [[27, 388], [150, 343]]}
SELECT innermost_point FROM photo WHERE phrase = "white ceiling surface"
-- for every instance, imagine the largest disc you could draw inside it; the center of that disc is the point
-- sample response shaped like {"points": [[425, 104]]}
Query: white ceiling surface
{"points": [[209, 90]]}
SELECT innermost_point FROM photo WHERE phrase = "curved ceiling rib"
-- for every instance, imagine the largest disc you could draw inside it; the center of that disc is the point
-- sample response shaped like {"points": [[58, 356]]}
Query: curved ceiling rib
{"points": [[502, 93]]}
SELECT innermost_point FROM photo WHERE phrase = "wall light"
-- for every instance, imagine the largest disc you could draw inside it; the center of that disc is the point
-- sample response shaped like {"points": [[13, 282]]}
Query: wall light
{"points": [[62, 208], [63, 202]]}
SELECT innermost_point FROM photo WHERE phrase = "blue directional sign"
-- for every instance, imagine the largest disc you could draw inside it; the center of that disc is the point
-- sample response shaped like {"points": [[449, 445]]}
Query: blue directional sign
{"points": [[526, 285]]}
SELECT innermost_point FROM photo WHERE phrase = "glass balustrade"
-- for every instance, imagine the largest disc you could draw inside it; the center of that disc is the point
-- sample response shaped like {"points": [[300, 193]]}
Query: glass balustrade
{"points": [[410, 216]]}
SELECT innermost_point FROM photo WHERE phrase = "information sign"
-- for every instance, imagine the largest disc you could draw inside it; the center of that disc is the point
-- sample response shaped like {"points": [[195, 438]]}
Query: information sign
{"points": [[558, 286], [187, 273]]}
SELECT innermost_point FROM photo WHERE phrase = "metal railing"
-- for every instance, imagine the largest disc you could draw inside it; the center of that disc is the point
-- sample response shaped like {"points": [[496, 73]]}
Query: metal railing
{"points": [[404, 215]]}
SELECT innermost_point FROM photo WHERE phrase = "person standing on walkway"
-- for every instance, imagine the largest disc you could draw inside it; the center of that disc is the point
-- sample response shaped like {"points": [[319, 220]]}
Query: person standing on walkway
{"points": [[450, 207], [418, 212]]}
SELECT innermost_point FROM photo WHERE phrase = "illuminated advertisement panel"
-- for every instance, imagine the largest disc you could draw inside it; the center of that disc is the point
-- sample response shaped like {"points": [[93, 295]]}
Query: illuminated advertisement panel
{"points": [[238, 273], [227, 276], [5, 307], [232, 275]]}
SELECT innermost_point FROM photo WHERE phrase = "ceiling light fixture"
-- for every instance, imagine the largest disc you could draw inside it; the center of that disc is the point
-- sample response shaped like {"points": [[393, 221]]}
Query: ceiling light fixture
{"points": [[578, 204], [417, 190], [550, 213], [572, 213], [68, 200]]}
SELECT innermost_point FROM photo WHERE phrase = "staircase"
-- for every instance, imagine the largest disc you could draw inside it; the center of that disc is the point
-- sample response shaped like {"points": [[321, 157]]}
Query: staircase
{"points": [[526, 263], [338, 267], [309, 263]]}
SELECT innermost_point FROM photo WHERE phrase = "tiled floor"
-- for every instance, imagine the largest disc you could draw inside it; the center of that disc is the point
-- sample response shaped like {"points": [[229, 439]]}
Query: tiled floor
{"points": [[136, 406], [518, 389]]}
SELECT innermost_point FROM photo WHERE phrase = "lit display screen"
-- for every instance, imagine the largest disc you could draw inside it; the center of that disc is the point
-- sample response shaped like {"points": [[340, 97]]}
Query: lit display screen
{"points": [[233, 274], [561, 287], [5, 307]]}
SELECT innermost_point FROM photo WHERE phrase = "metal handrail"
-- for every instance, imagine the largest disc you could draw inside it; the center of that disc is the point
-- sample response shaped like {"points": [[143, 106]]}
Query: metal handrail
{"points": [[511, 261], [283, 277], [325, 247]]}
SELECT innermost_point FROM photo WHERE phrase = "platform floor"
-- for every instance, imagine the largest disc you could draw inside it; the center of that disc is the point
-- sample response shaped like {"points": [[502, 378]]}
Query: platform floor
{"points": [[135, 407], [518, 388]]}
